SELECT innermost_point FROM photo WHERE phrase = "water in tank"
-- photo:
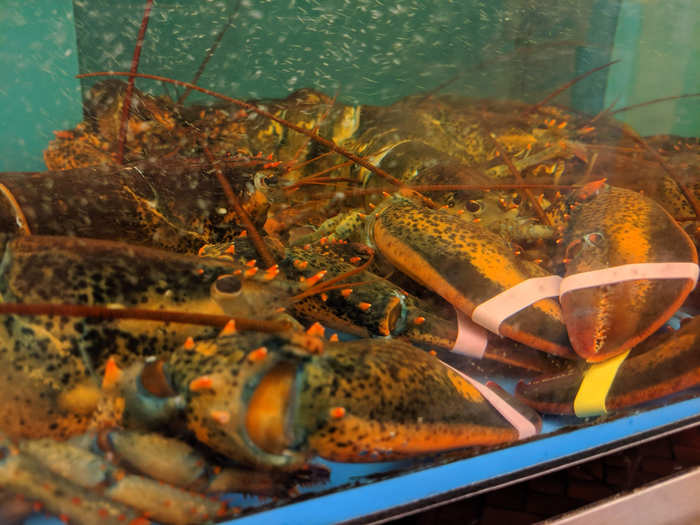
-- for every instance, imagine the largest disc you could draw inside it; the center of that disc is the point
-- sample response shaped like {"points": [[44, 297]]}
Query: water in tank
{"points": [[283, 248]]}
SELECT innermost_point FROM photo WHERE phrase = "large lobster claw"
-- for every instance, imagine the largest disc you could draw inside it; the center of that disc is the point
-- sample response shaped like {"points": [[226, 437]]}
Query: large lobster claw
{"points": [[467, 265], [267, 402], [634, 267], [661, 365]]}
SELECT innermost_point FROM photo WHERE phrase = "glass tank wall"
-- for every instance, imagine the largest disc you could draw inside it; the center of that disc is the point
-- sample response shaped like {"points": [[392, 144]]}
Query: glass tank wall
{"points": [[308, 244]]}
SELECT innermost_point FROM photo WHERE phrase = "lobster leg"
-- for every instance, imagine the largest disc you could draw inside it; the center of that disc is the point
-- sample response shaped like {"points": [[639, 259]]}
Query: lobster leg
{"points": [[661, 365], [67, 474]]}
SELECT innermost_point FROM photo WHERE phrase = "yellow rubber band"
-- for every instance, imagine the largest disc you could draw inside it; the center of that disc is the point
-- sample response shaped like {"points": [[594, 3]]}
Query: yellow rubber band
{"points": [[596, 383]]}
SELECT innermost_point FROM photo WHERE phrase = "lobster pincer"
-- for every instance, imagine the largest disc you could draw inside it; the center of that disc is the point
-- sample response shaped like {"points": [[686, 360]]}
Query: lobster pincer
{"points": [[468, 266], [265, 401], [629, 267]]}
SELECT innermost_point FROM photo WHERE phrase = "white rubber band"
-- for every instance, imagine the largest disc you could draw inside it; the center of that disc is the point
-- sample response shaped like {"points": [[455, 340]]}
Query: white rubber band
{"points": [[471, 338], [490, 314], [522, 425], [630, 272]]}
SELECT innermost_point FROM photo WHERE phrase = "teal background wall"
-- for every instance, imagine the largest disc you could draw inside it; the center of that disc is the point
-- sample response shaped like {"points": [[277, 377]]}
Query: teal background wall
{"points": [[659, 45], [366, 51], [38, 89]]}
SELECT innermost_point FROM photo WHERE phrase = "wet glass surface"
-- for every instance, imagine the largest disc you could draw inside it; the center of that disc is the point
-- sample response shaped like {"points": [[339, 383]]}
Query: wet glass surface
{"points": [[401, 162]]}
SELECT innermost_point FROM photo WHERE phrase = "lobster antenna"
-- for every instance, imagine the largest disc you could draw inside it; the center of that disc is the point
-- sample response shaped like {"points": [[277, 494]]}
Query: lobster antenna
{"points": [[259, 244], [654, 101], [566, 86], [165, 316], [130, 86], [210, 53]]}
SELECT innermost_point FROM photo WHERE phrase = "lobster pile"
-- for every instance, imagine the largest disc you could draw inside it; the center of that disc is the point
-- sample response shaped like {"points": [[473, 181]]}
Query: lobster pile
{"points": [[180, 294]]}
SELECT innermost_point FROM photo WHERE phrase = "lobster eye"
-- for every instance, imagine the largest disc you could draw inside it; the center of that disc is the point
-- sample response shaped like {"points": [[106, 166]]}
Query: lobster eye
{"points": [[228, 284], [393, 321], [155, 381], [594, 239], [473, 206]]}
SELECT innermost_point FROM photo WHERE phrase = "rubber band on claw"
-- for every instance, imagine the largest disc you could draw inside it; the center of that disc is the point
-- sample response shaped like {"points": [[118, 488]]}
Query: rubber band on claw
{"points": [[596, 383], [630, 272], [522, 425], [490, 314]]}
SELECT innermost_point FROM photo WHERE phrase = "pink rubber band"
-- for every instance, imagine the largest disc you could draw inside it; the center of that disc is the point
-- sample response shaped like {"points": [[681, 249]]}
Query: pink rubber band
{"points": [[522, 425], [490, 314], [630, 272], [471, 338]]}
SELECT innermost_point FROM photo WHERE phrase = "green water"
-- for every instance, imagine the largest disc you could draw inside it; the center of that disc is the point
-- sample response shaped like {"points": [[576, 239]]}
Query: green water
{"points": [[365, 51]]}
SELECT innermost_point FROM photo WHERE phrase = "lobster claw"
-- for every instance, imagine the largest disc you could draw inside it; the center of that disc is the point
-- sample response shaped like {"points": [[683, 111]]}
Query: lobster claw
{"points": [[363, 400], [466, 265], [629, 267], [662, 365]]}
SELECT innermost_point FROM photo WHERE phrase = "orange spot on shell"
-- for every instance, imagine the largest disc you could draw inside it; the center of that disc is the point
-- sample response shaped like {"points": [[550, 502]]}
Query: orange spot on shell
{"points": [[432, 352], [258, 354], [345, 292], [250, 272], [112, 373], [333, 338], [200, 271], [355, 259], [364, 306], [220, 416], [315, 278], [229, 328], [231, 249], [201, 250], [188, 344], [419, 320], [63, 134], [201, 383], [337, 412], [316, 329]]}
